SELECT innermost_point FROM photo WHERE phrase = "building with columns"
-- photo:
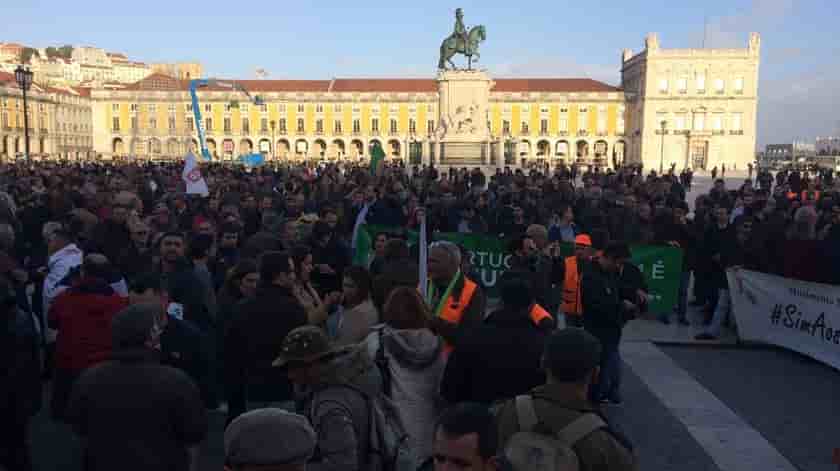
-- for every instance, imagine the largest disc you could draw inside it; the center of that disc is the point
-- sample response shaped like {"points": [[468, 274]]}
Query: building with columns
{"points": [[60, 124], [529, 120], [692, 107], [687, 107]]}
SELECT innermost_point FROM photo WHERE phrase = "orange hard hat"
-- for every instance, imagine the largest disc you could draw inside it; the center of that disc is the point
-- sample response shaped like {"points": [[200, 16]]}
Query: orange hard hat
{"points": [[583, 239]]}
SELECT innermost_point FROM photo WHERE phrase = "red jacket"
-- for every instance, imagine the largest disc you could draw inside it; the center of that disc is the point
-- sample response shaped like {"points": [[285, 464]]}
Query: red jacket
{"points": [[82, 315]]}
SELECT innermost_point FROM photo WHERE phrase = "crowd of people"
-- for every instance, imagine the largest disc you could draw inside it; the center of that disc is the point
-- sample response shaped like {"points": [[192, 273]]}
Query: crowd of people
{"points": [[142, 307]]}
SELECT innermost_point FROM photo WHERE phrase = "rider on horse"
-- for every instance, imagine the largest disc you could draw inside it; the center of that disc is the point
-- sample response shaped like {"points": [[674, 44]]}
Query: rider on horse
{"points": [[461, 30]]}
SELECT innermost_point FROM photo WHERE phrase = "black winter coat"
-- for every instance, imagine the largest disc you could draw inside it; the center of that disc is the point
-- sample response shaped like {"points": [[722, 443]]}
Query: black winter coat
{"points": [[602, 307], [496, 360], [136, 414], [253, 341]]}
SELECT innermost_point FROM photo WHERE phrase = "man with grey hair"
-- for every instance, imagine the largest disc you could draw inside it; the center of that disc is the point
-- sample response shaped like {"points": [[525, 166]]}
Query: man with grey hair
{"points": [[457, 302], [134, 413], [269, 439]]}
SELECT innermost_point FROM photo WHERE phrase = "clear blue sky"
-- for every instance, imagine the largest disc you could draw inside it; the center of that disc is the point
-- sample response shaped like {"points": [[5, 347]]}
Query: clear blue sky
{"points": [[799, 76]]}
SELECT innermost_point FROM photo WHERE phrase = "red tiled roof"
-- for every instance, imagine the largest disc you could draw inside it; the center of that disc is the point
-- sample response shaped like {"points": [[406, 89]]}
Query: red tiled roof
{"points": [[159, 81], [6, 77], [117, 55], [556, 85], [282, 85], [407, 85]]}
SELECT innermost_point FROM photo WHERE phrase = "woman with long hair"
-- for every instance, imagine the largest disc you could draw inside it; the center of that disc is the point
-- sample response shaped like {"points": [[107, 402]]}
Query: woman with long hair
{"points": [[317, 309], [357, 315], [411, 360]]}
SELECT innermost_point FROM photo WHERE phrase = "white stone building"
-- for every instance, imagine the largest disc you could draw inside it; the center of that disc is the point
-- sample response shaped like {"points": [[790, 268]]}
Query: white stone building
{"points": [[692, 107]]}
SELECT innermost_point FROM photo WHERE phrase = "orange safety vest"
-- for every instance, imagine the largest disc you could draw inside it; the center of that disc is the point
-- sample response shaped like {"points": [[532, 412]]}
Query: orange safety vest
{"points": [[453, 311], [538, 314], [571, 289]]}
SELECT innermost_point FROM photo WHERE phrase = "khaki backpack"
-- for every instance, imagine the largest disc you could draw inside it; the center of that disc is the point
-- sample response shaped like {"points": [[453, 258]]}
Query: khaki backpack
{"points": [[530, 450]]}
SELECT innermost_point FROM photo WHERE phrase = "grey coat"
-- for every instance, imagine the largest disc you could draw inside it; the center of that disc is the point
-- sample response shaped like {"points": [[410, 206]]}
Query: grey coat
{"points": [[355, 323], [416, 362], [339, 412]]}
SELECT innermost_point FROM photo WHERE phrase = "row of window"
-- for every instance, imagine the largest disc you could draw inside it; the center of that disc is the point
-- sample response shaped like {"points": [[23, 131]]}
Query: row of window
{"points": [[281, 126], [700, 85], [263, 108], [563, 126], [562, 109], [701, 121]]}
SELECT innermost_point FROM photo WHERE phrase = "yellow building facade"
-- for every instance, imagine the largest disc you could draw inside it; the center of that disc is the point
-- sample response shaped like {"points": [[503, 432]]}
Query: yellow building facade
{"points": [[60, 124], [530, 120], [687, 107]]}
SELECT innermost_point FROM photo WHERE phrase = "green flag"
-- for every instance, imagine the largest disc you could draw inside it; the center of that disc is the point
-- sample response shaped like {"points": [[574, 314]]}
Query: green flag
{"points": [[377, 156], [364, 245]]}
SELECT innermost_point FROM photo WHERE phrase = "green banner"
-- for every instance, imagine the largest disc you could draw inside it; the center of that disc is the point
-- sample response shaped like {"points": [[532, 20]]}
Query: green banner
{"points": [[661, 266]]}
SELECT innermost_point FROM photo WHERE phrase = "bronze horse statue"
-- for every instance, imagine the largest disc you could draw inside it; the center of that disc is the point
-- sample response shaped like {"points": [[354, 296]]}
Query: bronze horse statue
{"points": [[455, 45]]}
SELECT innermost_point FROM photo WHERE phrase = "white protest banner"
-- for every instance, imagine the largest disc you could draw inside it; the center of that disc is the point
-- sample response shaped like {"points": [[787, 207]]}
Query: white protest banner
{"points": [[192, 177], [798, 315]]}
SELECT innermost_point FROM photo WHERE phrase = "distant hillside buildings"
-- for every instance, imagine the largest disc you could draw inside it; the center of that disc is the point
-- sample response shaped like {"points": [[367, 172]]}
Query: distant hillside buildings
{"points": [[89, 66]]}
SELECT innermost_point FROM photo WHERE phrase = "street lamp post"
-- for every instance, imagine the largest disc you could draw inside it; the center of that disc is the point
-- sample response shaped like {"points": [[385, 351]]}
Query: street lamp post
{"points": [[273, 125], [662, 125], [24, 81]]}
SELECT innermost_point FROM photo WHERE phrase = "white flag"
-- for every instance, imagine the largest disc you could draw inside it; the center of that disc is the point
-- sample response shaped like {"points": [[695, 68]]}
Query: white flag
{"points": [[192, 177]]}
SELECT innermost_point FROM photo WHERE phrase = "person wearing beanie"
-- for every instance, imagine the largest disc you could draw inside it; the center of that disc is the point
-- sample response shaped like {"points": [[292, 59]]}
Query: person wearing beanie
{"points": [[269, 439], [132, 412], [570, 361], [508, 344]]}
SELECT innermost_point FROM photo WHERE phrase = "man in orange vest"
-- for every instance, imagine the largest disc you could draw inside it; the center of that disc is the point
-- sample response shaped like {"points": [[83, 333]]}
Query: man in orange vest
{"points": [[570, 272], [457, 303]]}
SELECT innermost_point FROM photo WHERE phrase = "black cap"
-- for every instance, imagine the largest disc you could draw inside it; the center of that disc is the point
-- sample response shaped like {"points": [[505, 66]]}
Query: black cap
{"points": [[571, 354]]}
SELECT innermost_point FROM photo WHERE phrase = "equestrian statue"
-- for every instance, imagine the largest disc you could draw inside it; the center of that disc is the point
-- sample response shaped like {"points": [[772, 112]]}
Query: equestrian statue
{"points": [[461, 41]]}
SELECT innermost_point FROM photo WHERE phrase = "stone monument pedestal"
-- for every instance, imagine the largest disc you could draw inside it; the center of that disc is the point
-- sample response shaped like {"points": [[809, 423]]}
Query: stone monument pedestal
{"points": [[463, 135]]}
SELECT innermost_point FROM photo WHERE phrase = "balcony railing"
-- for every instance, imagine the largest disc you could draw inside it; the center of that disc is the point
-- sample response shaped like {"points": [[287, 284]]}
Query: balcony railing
{"points": [[582, 133], [736, 133], [663, 131], [718, 132], [563, 133]]}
